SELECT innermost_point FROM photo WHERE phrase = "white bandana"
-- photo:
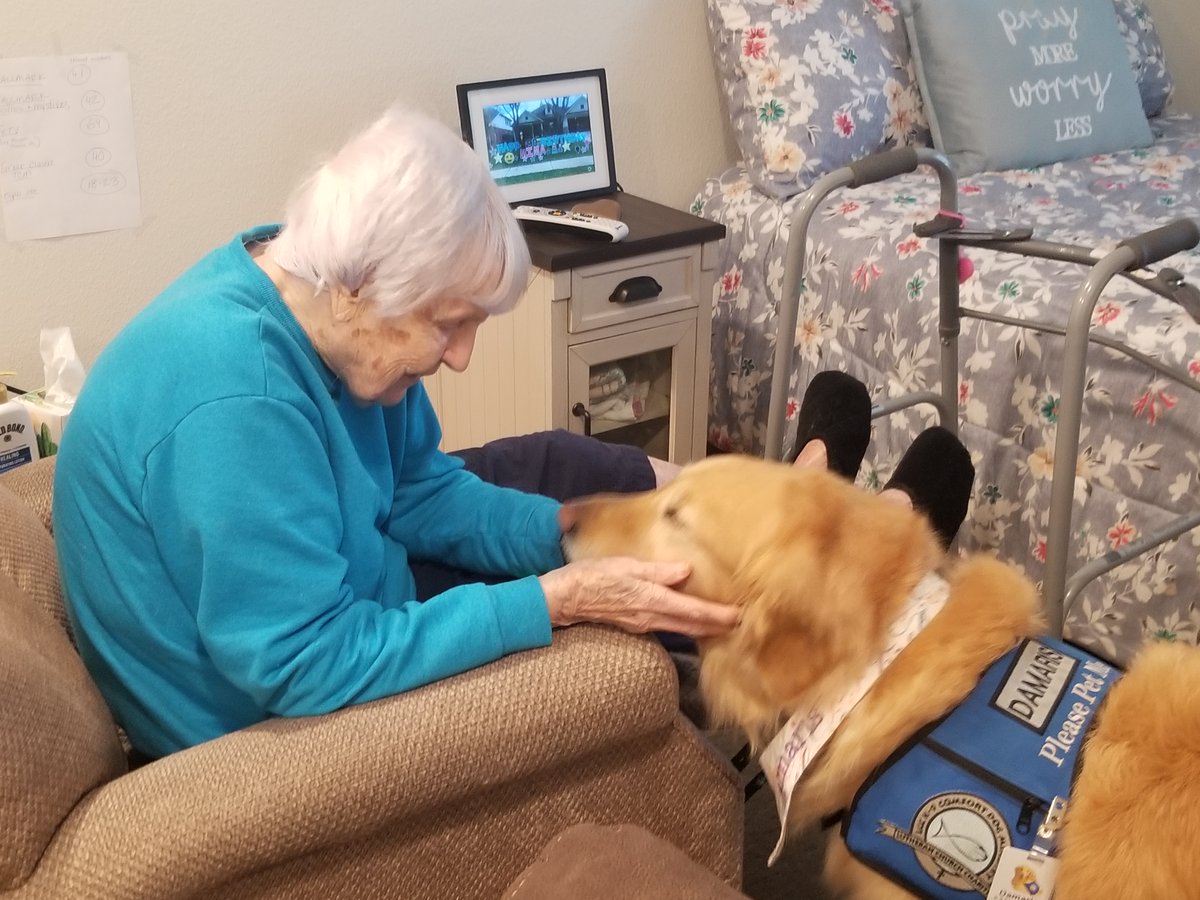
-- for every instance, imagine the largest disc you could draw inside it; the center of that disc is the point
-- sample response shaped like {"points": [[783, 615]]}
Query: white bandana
{"points": [[809, 729]]}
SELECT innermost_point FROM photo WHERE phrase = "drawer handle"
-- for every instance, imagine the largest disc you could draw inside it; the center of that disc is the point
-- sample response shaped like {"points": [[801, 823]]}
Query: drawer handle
{"points": [[582, 412], [631, 290]]}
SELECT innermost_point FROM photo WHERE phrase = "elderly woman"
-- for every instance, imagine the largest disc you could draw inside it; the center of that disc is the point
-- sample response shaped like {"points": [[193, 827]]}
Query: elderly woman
{"points": [[252, 513]]}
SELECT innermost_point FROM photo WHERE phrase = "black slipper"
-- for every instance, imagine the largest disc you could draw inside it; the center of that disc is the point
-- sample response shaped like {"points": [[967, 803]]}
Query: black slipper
{"points": [[836, 409], [937, 474]]}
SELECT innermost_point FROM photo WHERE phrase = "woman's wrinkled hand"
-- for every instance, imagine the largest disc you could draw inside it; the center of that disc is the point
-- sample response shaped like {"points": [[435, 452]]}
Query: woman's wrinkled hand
{"points": [[633, 595]]}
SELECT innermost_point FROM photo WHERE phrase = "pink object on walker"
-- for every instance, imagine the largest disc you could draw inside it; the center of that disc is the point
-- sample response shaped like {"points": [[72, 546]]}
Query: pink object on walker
{"points": [[966, 268]]}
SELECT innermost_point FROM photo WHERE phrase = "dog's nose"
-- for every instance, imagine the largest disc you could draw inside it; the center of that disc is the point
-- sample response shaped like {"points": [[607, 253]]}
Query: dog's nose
{"points": [[568, 517]]}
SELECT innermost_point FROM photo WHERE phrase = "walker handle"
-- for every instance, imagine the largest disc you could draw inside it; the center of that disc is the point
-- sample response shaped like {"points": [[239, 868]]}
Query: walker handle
{"points": [[1172, 238], [881, 166]]}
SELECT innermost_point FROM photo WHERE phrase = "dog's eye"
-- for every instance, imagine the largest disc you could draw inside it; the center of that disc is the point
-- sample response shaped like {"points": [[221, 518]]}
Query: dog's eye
{"points": [[671, 514]]}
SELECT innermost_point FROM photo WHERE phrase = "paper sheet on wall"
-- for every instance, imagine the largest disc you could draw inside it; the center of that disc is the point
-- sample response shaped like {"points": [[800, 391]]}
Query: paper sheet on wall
{"points": [[67, 155]]}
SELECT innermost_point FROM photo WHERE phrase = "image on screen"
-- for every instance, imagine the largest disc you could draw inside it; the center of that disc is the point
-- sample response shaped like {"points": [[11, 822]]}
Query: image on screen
{"points": [[533, 140]]}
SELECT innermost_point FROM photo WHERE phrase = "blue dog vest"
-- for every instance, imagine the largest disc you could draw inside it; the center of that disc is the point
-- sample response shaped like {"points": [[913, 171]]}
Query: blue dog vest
{"points": [[938, 814]]}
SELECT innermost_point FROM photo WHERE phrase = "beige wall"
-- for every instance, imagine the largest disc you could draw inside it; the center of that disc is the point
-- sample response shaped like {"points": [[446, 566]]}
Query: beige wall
{"points": [[1178, 23], [234, 100]]}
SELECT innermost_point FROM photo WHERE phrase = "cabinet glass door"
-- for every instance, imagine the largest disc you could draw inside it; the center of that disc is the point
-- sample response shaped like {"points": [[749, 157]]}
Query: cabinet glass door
{"points": [[637, 389]]}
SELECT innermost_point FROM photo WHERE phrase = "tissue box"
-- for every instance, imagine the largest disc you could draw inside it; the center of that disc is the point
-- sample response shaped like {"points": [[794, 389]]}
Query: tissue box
{"points": [[49, 420]]}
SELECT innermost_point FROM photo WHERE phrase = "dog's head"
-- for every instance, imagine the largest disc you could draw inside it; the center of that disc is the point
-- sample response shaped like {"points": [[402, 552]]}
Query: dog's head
{"points": [[818, 567]]}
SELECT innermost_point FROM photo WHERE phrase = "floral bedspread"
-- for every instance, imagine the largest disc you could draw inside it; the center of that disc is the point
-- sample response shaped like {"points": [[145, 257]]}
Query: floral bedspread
{"points": [[869, 307]]}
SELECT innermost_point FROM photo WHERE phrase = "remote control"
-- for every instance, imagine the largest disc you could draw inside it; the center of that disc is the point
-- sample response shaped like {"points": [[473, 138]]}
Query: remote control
{"points": [[586, 223]]}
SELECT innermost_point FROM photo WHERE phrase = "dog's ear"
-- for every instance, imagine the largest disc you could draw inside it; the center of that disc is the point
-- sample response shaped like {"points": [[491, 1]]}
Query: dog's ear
{"points": [[823, 581], [795, 649], [754, 676]]}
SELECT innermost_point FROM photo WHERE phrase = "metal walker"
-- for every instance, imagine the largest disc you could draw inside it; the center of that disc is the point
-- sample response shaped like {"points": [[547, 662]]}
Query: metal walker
{"points": [[1128, 259]]}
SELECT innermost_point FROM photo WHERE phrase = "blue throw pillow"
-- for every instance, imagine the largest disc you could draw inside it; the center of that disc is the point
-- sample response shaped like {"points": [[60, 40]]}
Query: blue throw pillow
{"points": [[1011, 84]]}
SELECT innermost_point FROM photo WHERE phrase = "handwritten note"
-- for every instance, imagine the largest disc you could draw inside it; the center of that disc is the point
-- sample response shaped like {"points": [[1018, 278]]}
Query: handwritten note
{"points": [[67, 156], [1050, 37]]}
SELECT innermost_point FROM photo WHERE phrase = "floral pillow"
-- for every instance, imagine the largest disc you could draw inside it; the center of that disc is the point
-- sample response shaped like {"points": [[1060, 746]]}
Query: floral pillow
{"points": [[812, 85], [1145, 54]]}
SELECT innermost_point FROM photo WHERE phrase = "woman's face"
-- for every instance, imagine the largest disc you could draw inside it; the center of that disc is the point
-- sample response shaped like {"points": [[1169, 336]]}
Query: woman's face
{"points": [[379, 358]]}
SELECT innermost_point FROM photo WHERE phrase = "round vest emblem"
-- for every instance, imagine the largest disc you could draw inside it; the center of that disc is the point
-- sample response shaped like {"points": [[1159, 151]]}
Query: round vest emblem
{"points": [[958, 840]]}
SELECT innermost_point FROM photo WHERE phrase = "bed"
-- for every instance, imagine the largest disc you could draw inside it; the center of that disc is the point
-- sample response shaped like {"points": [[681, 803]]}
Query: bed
{"points": [[810, 86]]}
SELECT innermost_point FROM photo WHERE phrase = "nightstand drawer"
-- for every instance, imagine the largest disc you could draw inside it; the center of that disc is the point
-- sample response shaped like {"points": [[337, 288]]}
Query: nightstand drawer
{"points": [[676, 272], [533, 368]]}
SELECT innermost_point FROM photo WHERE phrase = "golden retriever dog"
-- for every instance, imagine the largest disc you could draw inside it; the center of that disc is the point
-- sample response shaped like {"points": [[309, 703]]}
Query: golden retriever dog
{"points": [[820, 568]]}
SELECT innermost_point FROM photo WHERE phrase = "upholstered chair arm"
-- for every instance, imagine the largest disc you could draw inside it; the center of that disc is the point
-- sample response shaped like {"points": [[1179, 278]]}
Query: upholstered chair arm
{"points": [[33, 484], [289, 787]]}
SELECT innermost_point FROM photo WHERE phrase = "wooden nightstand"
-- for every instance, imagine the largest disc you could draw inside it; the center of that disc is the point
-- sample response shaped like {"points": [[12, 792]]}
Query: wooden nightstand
{"points": [[610, 339]]}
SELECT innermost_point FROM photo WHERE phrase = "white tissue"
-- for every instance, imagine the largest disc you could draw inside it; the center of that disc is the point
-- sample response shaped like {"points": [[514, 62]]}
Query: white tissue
{"points": [[62, 369]]}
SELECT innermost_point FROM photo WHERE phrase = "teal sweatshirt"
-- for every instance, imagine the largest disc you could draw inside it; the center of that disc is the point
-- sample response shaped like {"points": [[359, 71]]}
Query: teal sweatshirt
{"points": [[234, 530]]}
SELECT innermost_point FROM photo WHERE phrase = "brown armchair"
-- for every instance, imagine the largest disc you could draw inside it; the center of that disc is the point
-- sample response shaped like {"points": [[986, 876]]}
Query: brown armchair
{"points": [[447, 791]]}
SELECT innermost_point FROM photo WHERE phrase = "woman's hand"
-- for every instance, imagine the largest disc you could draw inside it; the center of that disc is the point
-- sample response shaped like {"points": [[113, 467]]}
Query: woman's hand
{"points": [[633, 595]]}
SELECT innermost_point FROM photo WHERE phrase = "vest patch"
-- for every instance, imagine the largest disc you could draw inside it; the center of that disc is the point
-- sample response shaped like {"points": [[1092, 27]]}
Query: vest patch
{"points": [[1035, 684], [957, 839]]}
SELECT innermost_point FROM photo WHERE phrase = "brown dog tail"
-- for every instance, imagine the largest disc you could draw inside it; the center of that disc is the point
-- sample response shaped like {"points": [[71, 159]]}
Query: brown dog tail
{"points": [[990, 608], [994, 602]]}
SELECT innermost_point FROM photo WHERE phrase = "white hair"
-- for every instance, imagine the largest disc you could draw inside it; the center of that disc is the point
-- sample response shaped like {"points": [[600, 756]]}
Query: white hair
{"points": [[407, 213]]}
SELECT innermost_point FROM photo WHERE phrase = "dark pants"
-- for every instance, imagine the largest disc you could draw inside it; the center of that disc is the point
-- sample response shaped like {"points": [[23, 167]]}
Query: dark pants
{"points": [[556, 464]]}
